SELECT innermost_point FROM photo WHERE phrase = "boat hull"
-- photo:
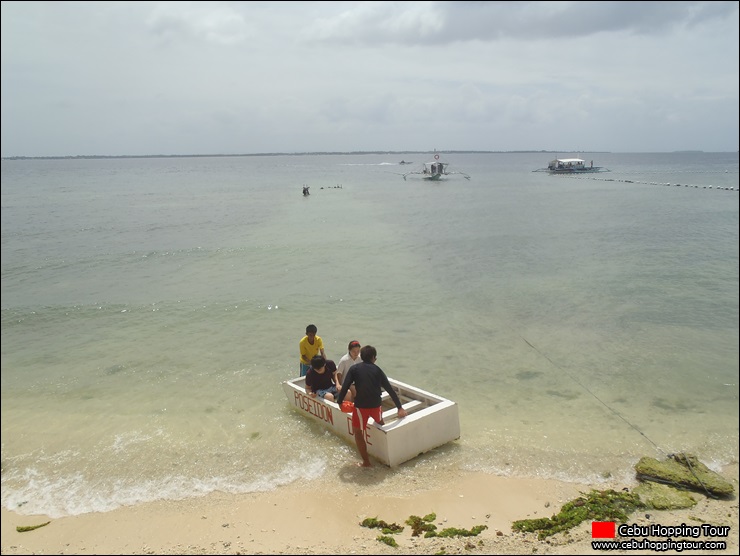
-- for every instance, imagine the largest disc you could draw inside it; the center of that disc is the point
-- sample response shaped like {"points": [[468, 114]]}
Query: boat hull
{"points": [[432, 421]]}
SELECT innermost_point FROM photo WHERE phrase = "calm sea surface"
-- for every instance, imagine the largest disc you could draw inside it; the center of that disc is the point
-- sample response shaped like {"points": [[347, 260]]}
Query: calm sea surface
{"points": [[151, 308]]}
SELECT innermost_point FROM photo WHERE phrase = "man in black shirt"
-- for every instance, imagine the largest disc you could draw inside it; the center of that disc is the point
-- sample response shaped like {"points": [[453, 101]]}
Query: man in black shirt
{"points": [[368, 379]]}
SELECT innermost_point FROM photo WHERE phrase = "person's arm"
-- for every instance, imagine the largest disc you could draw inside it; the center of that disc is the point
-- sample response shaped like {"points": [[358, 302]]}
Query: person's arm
{"points": [[338, 374], [302, 352], [309, 387], [345, 386]]}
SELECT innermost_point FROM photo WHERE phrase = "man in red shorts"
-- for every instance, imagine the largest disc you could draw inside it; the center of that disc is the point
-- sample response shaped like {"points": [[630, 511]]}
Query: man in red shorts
{"points": [[368, 379]]}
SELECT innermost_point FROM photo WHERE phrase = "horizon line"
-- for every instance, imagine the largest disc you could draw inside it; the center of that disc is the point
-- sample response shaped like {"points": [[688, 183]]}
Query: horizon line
{"points": [[308, 153]]}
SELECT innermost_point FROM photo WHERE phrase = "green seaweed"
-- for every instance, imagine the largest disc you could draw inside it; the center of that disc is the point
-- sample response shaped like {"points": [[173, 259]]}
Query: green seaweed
{"points": [[421, 525], [455, 532], [603, 505], [375, 523], [31, 527], [390, 541]]}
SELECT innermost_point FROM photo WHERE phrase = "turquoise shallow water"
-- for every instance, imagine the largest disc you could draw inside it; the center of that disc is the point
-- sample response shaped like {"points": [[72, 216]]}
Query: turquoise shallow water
{"points": [[151, 307]]}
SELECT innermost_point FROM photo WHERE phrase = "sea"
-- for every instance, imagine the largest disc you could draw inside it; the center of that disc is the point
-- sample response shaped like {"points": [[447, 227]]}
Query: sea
{"points": [[151, 308]]}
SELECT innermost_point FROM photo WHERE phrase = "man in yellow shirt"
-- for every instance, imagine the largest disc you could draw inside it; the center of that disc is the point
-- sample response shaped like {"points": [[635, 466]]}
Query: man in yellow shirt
{"points": [[310, 345]]}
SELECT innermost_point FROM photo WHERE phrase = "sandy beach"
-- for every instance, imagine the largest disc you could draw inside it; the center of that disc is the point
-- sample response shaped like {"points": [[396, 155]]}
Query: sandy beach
{"points": [[324, 518]]}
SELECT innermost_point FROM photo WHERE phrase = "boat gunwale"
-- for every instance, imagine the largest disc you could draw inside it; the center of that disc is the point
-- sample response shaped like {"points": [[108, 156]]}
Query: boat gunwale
{"points": [[429, 424]]}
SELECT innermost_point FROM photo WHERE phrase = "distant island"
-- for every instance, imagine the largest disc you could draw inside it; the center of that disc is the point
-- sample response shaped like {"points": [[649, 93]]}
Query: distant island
{"points": [[105, 156]]}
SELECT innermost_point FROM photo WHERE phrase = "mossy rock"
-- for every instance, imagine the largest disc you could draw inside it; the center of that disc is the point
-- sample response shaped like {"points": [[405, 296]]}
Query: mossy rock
{"points": [[685, 471], [664, 497]]}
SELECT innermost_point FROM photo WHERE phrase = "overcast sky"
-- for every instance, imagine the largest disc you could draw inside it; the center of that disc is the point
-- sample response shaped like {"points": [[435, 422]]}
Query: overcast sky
{"points": [[143, 78]]}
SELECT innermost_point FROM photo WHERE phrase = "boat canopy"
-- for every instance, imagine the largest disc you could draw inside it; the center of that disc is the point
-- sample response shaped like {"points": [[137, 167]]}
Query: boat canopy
{"points": [[570, 160]]}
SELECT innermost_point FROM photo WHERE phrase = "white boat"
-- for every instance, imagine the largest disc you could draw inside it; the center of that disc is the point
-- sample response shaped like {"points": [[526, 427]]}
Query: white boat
{"points": [[432, 421], [434, 170], [571, 166]]}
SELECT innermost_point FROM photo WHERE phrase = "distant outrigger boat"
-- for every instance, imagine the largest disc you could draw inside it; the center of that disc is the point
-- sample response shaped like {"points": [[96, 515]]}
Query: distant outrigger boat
{"points": [[571, 166], [404, 162], [435, 170]]}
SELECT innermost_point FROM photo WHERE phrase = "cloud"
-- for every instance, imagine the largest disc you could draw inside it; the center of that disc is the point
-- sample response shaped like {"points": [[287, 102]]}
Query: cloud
{"points": [[220, 24], [236, 77], [426, 23]]}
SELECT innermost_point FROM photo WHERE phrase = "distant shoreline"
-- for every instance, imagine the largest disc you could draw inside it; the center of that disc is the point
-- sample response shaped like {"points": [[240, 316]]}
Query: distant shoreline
{"points": [[90, 156], [318, 153]]}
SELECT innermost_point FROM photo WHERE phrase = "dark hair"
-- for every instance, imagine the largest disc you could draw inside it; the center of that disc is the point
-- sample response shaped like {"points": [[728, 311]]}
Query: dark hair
{"points": [[317, 362], [331, 366], [311, 328], [368, 353], [353, 343]]}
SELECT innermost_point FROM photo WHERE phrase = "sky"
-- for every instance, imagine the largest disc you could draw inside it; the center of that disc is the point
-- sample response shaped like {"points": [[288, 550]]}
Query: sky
{"points": [[182, 78]]}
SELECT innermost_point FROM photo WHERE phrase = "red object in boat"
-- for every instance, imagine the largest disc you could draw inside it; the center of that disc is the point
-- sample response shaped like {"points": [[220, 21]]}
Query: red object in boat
{"points": [[348, 407]]}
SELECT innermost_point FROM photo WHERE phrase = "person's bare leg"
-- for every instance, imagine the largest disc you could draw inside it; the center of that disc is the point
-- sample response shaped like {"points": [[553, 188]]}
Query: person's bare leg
{"points": [[362, 448]]}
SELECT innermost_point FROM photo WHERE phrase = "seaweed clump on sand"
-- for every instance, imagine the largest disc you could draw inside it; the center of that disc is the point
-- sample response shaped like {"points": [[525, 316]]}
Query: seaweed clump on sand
{"points": [[424, 525], [597, 505], [26, 528], [387, 528], [419, 526], [387, 539]]}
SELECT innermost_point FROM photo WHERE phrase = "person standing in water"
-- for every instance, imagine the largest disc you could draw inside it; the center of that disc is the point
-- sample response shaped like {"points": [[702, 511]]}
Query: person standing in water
{"points": [[310, 345], [368, 380]]}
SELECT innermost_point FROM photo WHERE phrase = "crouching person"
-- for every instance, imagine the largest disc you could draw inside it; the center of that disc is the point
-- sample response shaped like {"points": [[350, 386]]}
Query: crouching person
{"points": [[321, 379]]}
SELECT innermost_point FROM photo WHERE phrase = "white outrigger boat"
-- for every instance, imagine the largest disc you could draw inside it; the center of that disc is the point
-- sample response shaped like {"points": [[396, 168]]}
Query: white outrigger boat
{"points": [[432, 421], [571, 166], [435, 170]]}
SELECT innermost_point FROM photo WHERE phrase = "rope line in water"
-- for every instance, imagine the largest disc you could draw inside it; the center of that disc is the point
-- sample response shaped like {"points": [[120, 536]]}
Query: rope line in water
{"points": [[615, 412], [602, 402]]}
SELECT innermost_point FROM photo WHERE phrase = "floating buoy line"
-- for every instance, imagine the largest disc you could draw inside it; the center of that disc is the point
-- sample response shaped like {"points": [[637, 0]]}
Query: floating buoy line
{"points": [[588, 177]]}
